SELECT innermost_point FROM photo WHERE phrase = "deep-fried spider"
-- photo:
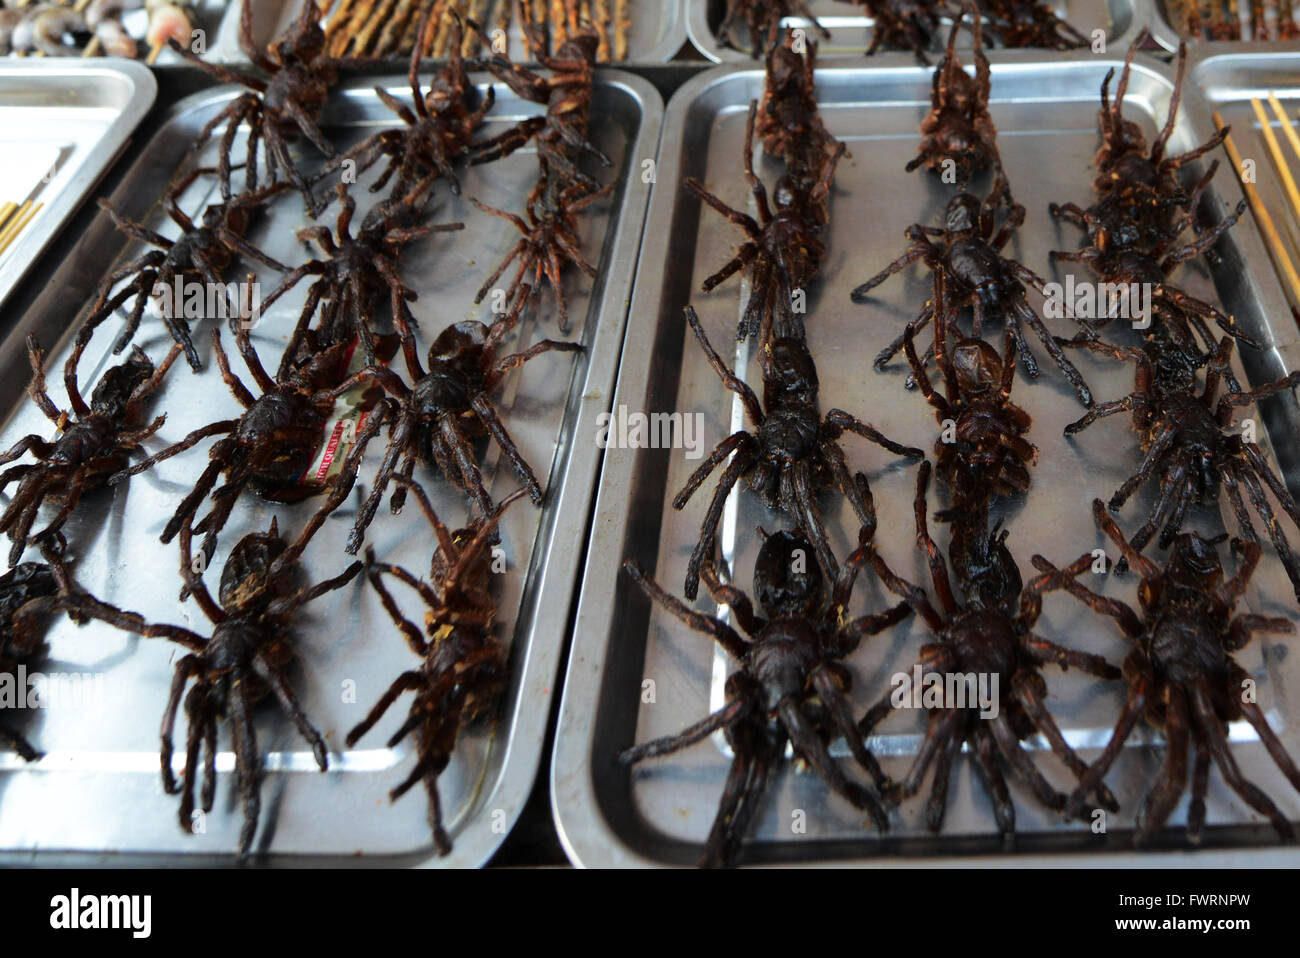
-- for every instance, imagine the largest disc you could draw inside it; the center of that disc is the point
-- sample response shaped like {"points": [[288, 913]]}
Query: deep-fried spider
{"points": [[790, 685], [561, 134], [761, 18], [25, 590], [245, 660], [1181, 675], [789, 123], [1192, 454], [958, 138], [986, 453], [1031, 23], [792, 455], [439, 124], [271, 445], [435, 422], [279, 109], [1125, 165], [465, 667], [356, 272], [201, 253], [1134, 267], [94, 442], [975, 273], [783, 252], [548, 239], [906, 25], [986, 630]]}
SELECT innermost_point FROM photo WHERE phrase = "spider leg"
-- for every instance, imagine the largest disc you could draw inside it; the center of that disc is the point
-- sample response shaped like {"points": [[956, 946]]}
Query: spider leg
{"points": [[1029, 689], [1215, 737], [753, 408], [942, 726], [1200, 785], [1011, 749], [915, 252], [725, 717], [247, 764], [846, 421], [280, 686], [723, 634], [197, 710], [734, 599], [1172, 780], [744, 461], [832, 697], [810, 745], [1276, 750], [808, 515], [1135, 703], [1004, 811], [469, 477], [406, 682]]}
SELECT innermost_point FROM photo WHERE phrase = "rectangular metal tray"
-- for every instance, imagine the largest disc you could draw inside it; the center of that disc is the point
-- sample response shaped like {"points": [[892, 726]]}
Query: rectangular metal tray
{"points": [[97, 795], [657, 32], [659, 813], [850, 26], [88, 110]]}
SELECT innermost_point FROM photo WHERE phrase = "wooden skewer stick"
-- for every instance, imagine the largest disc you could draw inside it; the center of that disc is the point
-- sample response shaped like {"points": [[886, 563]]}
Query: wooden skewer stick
{"points": [[18, 224], [443, 39], [156, 49], [1281, 260], [559, 28], [601, 14], [504, 14], [91, 48], [469, 41], [1287, 126], [335, 24], [1279, 161], [6, 211]]}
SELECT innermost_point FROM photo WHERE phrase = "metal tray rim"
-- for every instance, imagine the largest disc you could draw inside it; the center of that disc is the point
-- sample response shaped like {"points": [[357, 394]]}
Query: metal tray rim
{"points": [[585, 834]]}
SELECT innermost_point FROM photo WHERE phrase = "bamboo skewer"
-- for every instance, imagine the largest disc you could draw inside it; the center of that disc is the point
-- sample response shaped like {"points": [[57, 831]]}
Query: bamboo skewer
{"points": [[622, 21], [1281, 260], [6, 211], [1287, 126], [600, 11], [1279, 161], [469, 42], [19, 223]]}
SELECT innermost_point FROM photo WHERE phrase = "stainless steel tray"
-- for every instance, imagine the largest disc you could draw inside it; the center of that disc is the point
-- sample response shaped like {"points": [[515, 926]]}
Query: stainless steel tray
{"points": [[97, 795], [84, 112], [850, 26], [659, 813], [657, 32]]}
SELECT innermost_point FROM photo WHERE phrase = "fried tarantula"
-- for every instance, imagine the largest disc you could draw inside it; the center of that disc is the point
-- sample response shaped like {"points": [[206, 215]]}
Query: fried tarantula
{"points": [[905, 25], [357, 271], [760, 18], [974, 273], [439, 125], [435, 422], [279, 109], [243, 662], [791, 684], [789, 123], [1031, 23], [957, 135], [94, 439], [783, 252], [792, 455], [1181, 675], [988, 630], [26, 591], [464, 668], [201, 252], [987, 453], [1192, 454], [270, 446]]}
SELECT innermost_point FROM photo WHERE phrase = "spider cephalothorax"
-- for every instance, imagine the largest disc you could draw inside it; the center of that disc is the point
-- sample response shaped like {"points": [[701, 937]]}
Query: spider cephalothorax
{"points": [[1181, 674], [791, 456], [790, 684], [94, 441], [26, 592]]}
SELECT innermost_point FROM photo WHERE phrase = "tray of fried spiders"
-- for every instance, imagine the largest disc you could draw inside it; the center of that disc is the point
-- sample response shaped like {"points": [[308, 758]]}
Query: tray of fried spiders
{"points": [[308, 493], [737, 30], [622, 31], [1037, 606]]}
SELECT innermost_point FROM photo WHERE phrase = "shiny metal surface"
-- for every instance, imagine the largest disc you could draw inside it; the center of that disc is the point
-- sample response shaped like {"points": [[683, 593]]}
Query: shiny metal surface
{"points": [[660, 812], [86, 110], [850, 26], [657, 32], [97, 795]]}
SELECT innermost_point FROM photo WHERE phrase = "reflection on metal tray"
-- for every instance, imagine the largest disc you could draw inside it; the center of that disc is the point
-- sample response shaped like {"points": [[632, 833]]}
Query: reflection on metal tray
{"points": [[850, 26], [659, 813], [657, 31], [62, 124], [97, 793]]}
